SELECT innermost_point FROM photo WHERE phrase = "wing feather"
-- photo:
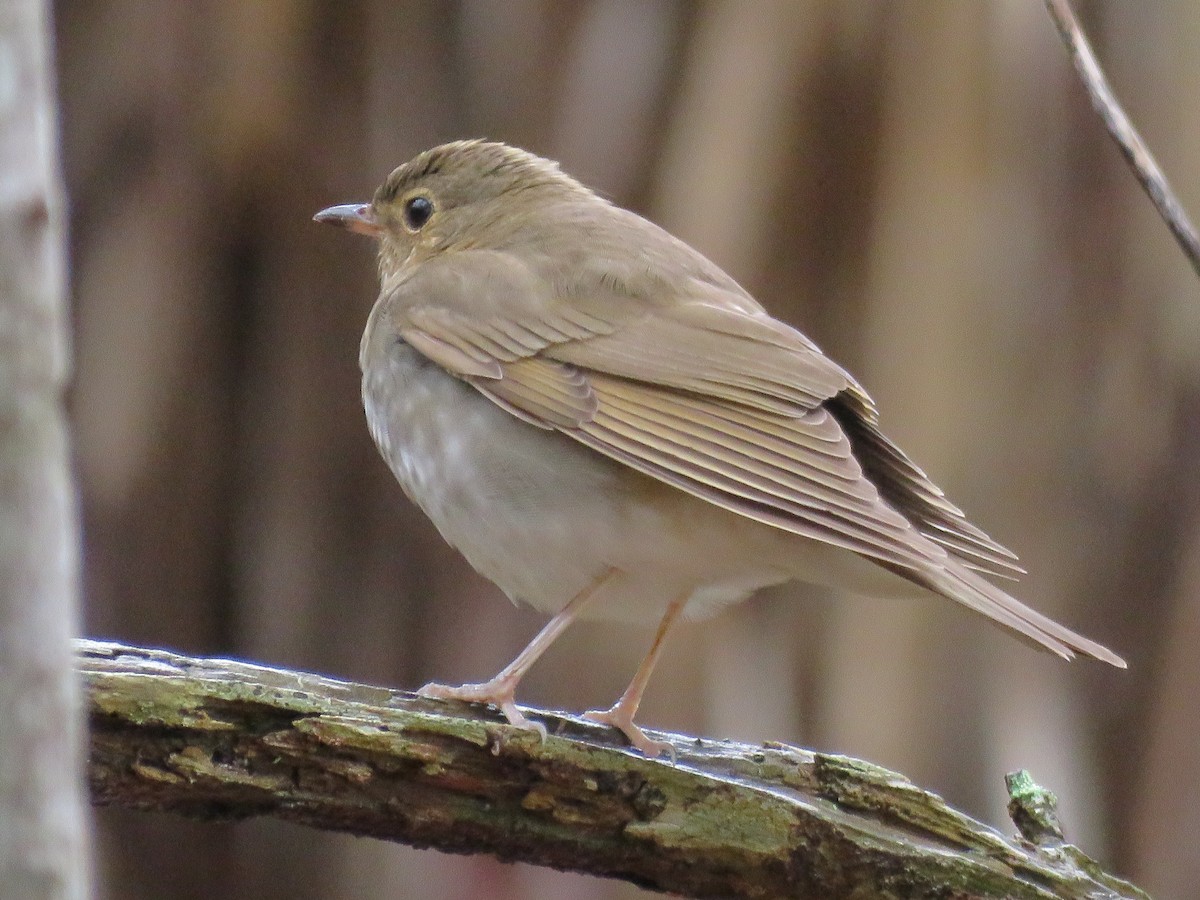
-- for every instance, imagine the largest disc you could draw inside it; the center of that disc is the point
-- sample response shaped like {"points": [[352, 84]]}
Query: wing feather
{"points": [[798, 461], [816, 489], [909, 489], [698, 348], [719, 399], [543, 392], [735, 495], [452, 355]]}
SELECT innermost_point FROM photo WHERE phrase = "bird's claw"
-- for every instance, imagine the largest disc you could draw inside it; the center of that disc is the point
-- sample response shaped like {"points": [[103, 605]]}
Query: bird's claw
{"points": [[618, 718], [493, 694]]}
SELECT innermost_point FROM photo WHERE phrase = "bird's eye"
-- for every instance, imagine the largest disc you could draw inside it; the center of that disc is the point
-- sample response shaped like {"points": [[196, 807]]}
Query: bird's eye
{"points": [[417, 211]]}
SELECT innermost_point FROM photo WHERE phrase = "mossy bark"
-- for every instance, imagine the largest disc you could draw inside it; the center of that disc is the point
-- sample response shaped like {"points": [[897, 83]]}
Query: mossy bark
{"points": [[219, 739]]}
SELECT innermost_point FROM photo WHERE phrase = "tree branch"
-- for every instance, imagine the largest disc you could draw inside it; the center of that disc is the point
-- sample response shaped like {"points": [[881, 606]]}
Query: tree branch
{"points": [[1133, 148], [217, 739]]}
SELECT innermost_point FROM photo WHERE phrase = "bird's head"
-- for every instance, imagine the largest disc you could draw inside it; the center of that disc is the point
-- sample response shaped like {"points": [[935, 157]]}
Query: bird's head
{"points": [[463, 195]]}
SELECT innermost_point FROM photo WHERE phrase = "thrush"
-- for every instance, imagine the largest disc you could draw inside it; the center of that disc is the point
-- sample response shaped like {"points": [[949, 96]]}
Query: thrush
{"points": [[606, 425]]}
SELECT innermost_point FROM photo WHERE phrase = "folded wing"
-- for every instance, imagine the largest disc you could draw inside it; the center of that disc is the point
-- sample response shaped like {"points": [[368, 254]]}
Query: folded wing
{"points": [[717, 399], [720, 400]]}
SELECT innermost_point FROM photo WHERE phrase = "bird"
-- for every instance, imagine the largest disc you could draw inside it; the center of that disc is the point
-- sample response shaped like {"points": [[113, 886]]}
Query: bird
{"points": [[608, 426]]}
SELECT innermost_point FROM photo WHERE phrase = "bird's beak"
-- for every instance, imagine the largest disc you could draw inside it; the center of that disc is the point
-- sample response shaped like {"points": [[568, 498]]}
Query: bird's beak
{"points": [[355, 216]]}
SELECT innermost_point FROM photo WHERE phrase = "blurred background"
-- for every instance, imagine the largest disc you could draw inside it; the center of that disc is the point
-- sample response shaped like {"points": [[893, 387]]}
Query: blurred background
{"points": [[921, 186]]}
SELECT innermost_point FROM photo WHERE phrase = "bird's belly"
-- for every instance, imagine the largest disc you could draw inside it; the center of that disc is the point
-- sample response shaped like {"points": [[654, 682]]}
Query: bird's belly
{"points": [[544, 517]]}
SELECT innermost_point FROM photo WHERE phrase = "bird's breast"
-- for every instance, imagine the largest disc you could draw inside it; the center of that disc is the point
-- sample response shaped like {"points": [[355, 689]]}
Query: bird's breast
{"points": [[543, 516], [521, 504]]}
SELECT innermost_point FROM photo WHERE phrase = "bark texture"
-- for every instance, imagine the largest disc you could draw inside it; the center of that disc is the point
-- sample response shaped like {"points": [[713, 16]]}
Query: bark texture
{"points": [[213, 738]]}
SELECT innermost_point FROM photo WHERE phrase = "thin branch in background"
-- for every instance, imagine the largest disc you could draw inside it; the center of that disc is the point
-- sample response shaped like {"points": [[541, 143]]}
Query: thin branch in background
{"points": [[1133, 148]]}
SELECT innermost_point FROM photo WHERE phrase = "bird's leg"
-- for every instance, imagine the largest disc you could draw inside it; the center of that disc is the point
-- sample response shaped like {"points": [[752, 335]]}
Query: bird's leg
{"points": [[500, 691], [622, 712]]}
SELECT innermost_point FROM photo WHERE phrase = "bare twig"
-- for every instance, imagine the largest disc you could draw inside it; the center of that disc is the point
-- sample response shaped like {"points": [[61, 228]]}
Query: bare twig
{"points": [[1133, 148], [223, 739]]}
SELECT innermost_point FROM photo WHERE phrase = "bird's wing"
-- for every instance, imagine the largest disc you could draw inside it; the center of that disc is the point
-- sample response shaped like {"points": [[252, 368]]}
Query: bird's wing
{"points": [[751, 360], [796, 472], [720, 400], [746, 359], [753, 418], [484, 309]]}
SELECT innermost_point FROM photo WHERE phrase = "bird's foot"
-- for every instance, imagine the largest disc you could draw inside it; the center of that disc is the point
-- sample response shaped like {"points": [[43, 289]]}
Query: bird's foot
{"points": [[497, 693], [621, 718]]}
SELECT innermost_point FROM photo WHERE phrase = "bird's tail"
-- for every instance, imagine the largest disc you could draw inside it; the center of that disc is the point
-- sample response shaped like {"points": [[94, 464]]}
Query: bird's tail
{"points": [[959, 583]]}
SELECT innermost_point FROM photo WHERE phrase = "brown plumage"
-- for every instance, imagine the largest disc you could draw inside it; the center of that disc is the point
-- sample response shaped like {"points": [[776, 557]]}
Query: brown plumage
{"points": [[606, 424]]}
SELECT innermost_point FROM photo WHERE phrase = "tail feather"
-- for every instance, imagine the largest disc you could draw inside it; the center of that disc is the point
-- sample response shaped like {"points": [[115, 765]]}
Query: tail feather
{"points": [[959, 583]]}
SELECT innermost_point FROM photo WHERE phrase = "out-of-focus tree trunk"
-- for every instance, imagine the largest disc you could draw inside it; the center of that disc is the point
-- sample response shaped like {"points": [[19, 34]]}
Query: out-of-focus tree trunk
{"points": [[43, 819]]}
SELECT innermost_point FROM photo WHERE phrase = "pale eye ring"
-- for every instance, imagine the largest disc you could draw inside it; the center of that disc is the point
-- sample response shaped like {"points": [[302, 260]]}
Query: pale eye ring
{"points": [[417, 211]]}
